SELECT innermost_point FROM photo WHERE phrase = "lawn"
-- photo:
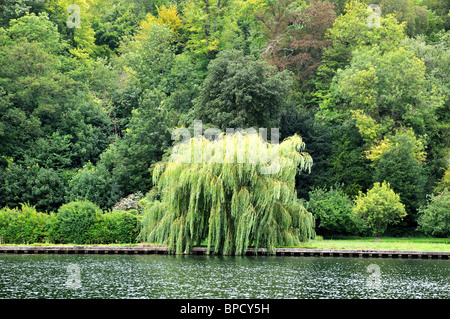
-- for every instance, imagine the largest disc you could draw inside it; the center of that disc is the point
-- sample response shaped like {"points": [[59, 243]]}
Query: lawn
{"points": [[363, 243], [384, 243]]}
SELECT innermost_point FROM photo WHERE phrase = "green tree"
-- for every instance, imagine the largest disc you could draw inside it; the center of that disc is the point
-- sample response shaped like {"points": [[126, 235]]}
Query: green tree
{"points": [[350, 32], [401, 169], [436, 58], [43, 187], [348, 163], [210, 26], [230, 204], [147, 137], [418, 19], [379, 207], [241, 91], [319, 144], [392, 88], [434, 217], [14, 9]]}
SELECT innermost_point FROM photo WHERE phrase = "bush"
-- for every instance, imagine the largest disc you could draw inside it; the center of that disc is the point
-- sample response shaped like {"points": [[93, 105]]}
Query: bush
{"points": [[79, 222], [123, 226], [333, 212], [117, 227], [26, 225], [434, 218], [379, 207], [75, 222]]}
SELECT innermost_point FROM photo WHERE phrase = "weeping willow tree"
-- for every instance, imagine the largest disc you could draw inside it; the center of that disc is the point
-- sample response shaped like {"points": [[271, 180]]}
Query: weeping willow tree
{"points": [[239, 192]]}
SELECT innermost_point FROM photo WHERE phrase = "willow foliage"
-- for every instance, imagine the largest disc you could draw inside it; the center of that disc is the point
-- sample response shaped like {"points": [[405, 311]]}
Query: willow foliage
{"points": [[228, 196]]}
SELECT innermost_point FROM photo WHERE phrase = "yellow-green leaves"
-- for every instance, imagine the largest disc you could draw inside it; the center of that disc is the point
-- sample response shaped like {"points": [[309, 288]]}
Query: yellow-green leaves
{"points": [[228, 203], [379, 207]]}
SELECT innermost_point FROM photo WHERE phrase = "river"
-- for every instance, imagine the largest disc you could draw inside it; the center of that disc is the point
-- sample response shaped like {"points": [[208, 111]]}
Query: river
{"points": [[205, 277]]}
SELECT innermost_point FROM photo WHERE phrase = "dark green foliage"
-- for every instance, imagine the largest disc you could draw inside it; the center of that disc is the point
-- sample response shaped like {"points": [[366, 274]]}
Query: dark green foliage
{"points": [[333, 212], [242, 92], [13, 9], [318, 140], [348, 164], [401, 169], [434, 217], [44, 187], [86, 113]]}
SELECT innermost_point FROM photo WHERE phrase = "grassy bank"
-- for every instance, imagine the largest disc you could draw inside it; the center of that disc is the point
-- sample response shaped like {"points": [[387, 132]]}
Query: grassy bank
{"points": [[363, 243], [387, 243]]}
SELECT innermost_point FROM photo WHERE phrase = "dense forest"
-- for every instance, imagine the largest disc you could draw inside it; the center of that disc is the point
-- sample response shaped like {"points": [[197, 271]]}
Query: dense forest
{"points": [[89, 99]]}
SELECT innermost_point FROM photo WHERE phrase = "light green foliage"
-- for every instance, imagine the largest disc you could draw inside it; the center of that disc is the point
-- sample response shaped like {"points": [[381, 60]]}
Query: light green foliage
{"points": [[434, 218], [391, 88], [437, 61], [369, 129], [26, 226], [37, 28], [75, 220], [122, 227], [210, 26], [82, 39], [350, 32], [231, 205], [149, 56], [379, 207], [418, 17], [444, 182]]}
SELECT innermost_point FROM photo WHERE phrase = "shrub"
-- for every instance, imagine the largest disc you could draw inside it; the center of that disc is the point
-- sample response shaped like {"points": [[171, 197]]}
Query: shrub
{"points": [[434, 218], [379, 207], [123, 226], [80, 222], [333, 211], [26, 225], [75, 222]]}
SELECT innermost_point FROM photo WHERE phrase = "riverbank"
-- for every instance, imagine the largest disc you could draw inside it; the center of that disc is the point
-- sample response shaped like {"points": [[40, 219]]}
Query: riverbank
{"points": [[383, 243], [347, 243], [281, 251], [150, 249]]}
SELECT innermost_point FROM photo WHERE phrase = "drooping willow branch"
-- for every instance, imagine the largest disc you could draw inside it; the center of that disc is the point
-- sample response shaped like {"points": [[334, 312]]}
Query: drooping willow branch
{"points": [[227, 202]]}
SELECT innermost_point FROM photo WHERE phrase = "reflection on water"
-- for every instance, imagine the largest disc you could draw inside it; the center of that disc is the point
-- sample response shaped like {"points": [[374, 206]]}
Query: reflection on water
{"points": [[162, 276]]}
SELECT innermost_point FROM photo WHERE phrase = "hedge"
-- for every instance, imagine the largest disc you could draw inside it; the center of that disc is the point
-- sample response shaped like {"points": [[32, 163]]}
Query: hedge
{"points": [[78, 222]]}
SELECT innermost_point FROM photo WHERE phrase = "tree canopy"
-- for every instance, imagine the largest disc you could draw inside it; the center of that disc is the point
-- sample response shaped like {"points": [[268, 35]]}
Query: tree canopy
{"points": [[88, 112]]}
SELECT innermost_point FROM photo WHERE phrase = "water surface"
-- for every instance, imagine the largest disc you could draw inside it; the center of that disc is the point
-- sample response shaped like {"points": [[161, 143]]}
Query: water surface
{"points": [[167, 276]]}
